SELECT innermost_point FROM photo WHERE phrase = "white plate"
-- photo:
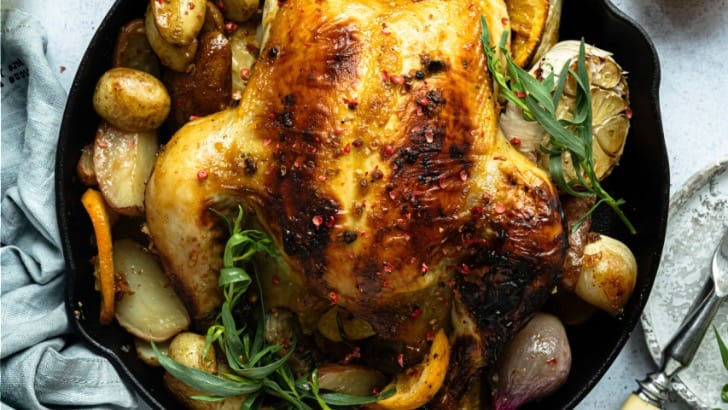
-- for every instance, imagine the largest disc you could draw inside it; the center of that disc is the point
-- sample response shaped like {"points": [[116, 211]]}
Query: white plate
{"points": [[697, 219]]}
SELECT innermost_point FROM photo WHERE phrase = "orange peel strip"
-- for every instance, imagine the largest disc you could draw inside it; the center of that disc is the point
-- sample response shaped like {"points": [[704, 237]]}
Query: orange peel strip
{"points": [[95, 206]]}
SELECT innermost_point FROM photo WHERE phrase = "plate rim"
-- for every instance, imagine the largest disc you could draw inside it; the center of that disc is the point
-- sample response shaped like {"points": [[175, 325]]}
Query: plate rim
{"points": [[681, 196]]}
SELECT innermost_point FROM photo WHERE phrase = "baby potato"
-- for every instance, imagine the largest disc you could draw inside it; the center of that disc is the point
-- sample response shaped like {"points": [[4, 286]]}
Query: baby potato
{"points": [[207, 88], [608, 274], [187, 348], [178, 21], [177, 58], [132, 49], [131, 100], [239, 10], [122, 162], [151, 311]]}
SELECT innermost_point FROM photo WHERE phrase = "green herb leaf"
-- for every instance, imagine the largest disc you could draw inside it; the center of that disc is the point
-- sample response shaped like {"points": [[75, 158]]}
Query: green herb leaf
{"points": [[207, 398], [262, 372], [722, 347], [315, 390], [204, 381], [276, 390], [234, 348], [251, 402], [235, 276], [259, 372], [342, 399], [539, 101]]}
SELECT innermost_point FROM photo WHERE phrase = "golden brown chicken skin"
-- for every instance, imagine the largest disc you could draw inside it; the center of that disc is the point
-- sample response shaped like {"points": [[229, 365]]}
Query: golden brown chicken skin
{"points": [[366, 145]]}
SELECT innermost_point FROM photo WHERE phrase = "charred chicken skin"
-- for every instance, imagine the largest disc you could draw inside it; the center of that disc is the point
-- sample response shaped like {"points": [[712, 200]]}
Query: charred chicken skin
{"points": [[366, 144]]}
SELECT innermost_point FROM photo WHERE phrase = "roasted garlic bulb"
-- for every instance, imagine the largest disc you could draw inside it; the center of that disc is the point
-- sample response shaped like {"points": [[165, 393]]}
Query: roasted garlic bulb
{"points": [[610, 109]]}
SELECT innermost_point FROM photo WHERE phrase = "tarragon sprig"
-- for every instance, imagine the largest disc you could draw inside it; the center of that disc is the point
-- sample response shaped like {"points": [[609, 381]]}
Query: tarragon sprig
{"points": [[724, 357], [538, 100], [259, 372]]}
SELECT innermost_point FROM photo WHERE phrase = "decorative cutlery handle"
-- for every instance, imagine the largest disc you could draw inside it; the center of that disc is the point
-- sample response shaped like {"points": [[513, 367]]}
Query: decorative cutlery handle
{"points": [[635, 402]]}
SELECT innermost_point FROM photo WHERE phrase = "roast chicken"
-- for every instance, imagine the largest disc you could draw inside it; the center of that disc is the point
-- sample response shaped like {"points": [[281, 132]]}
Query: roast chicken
{"points": [[366, 145]]}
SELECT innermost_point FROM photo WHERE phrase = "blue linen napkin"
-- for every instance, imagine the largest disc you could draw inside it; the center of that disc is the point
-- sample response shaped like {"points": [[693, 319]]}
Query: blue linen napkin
{"points": [[39, 366]]}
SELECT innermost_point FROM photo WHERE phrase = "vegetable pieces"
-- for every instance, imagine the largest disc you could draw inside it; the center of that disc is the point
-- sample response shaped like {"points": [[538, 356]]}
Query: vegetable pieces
{"points": [[95, 206], [539, 100]]}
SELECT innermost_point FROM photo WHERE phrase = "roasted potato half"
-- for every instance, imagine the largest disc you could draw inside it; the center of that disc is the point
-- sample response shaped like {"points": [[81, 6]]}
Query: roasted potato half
{"points": [[177, 58], [150, 310], [178, 21], [132, 49], [122, 163]]}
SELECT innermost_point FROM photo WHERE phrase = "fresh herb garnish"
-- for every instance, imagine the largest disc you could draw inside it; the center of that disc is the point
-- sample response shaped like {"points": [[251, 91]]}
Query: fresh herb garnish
{"points": [[538, 100], [259, 371], [724, 356]]}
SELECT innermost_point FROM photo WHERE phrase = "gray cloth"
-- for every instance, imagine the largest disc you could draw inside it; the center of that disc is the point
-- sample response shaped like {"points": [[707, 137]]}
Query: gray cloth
{"points": [[39, 368]]}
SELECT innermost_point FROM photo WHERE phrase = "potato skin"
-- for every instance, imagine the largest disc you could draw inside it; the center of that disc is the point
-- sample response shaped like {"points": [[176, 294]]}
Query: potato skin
{"points": [[121, 162], [131, 99], [151, 310], [214, 20], [132, 49], [177, 58], [208, 87], [178, 21], [187, 348], [239, 10]]}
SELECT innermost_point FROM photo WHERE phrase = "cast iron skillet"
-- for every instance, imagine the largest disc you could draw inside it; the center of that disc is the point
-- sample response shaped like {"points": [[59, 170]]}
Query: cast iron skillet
{"points": [[642, 180]]}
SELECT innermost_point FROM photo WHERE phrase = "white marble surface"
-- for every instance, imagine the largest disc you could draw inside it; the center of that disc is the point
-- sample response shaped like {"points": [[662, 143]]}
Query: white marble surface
{"points": [[691, 37]]}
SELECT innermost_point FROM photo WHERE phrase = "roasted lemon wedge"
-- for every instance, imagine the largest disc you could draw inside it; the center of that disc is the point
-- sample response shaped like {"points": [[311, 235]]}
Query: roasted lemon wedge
{"points": [[417, 387], [528, 22]]}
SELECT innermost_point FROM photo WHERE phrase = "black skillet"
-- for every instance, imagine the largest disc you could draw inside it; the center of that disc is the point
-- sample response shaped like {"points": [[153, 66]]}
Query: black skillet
{"points": [[642, 179]]}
